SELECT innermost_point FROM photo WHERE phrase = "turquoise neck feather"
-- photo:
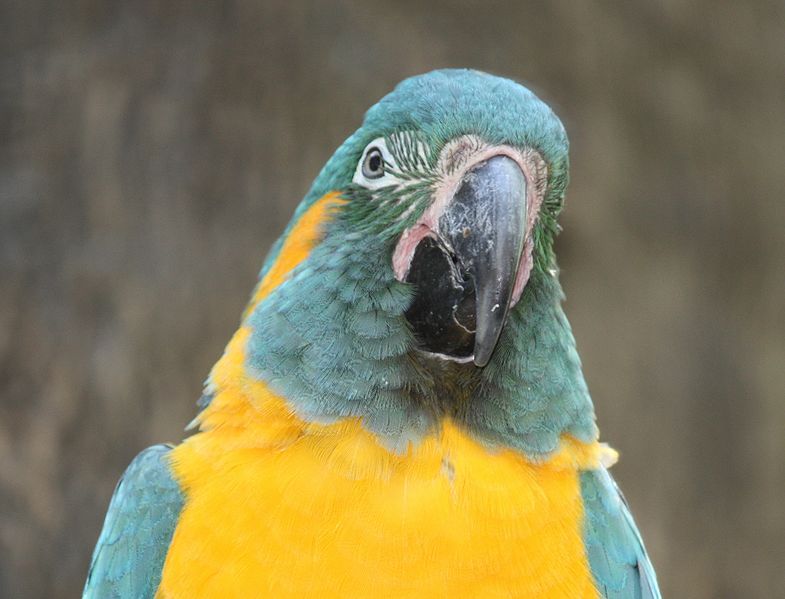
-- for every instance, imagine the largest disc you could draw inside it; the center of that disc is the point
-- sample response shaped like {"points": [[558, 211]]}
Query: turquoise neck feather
{"points": [[333, 340]]}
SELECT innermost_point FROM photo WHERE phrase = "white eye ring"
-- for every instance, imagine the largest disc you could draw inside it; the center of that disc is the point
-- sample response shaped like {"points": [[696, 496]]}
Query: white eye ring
{"points": [[375, 168], [373, 164]]}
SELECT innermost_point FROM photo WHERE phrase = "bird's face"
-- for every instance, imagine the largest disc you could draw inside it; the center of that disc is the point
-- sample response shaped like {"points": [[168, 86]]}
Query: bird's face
{"points": [[454, 181], [455, 218]]}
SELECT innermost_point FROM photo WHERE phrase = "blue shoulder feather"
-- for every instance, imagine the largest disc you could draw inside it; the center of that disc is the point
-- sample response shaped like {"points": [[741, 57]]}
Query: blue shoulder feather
{"points": [[129, 557], [618, 559]]}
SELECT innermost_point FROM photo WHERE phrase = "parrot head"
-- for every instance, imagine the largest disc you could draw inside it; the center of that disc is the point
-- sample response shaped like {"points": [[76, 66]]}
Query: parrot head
{"points": [[432, 289], [447, 180]]}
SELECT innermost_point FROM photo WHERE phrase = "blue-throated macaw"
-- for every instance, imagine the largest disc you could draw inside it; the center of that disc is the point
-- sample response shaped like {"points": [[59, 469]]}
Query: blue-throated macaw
{"points": [[402, 412]]}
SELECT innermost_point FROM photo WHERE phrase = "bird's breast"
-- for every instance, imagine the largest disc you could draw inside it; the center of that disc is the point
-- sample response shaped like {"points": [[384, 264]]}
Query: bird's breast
{"points": [[328, 511]]}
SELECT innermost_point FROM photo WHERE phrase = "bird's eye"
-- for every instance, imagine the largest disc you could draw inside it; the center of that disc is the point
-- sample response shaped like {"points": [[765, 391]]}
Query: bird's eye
{"points": [[373, 164]]}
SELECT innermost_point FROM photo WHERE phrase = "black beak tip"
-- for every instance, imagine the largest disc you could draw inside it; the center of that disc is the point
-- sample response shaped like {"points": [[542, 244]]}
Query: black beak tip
{"points": [[481, 360], [482, 354]]}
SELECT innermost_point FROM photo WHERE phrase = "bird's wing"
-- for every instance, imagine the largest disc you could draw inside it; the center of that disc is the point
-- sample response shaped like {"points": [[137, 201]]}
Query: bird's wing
{"points": [[618, 559], [141, 519]]}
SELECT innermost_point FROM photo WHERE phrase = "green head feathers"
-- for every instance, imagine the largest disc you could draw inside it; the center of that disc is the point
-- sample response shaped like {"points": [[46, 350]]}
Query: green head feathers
{"points": [[443, 105], [344, 335]]}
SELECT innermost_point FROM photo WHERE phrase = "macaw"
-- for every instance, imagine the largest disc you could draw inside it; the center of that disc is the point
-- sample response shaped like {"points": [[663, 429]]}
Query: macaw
{"points": [[402, 412]]}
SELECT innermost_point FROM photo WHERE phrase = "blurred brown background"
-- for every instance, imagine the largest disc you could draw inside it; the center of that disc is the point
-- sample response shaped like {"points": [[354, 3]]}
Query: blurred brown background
{"points": [[151, 151]]}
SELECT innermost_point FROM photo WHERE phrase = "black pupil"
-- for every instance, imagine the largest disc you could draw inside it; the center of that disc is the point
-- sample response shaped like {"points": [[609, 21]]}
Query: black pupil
{"points": [[375, 162]]}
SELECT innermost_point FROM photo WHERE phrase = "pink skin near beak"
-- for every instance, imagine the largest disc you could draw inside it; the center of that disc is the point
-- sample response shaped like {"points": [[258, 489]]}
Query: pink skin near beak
{"points": [[458, 158]]}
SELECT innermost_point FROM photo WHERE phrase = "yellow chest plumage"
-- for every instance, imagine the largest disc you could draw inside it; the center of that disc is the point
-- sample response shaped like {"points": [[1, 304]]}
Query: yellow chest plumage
{"points": [[332, 513], [279, 507]]}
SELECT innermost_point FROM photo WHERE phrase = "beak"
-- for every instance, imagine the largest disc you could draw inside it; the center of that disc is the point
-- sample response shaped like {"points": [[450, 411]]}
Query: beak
{"points": [[465, 273]]}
